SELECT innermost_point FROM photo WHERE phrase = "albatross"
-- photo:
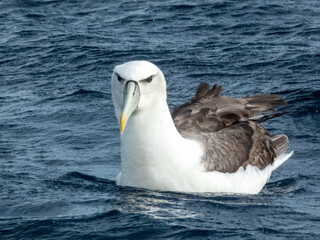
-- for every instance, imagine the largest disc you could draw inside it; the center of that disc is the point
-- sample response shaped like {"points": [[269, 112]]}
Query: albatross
{"points": [[212, 143]]}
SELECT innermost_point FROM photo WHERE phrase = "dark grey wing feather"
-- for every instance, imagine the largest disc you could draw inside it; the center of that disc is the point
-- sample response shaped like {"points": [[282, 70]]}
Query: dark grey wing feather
{"points": [[209, 111], [225, 128], [238, 145]]}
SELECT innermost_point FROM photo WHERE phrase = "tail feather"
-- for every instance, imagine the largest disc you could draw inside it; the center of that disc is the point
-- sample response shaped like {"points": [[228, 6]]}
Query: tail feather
{"points": [[281, 143]]}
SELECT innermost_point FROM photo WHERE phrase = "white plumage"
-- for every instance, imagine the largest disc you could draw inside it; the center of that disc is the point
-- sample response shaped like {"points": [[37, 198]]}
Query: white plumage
{"points": [[153, 153]]}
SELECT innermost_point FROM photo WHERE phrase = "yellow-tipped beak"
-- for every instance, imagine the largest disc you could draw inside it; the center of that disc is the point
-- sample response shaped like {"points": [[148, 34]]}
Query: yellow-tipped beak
{"points": [[123, 122]]}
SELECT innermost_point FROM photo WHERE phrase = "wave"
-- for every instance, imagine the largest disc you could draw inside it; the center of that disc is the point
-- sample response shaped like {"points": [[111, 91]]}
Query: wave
{"points": [[74, 181], [77, 175], [83, 94]]}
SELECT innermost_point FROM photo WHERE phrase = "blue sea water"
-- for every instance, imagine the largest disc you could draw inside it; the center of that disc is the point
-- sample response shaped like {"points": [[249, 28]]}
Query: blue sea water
{"points": [[59, 139]]}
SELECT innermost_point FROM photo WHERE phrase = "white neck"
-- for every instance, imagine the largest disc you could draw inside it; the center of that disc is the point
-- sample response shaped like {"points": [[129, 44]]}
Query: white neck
{"points": [[151, 147]]}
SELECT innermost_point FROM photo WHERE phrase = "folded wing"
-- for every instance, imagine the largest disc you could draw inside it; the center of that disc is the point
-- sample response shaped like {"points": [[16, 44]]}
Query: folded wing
{"points": [[229, 128]]}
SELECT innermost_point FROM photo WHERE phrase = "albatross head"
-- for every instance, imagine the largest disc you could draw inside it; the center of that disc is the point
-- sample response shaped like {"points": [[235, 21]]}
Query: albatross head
{"points": [[136, 86]]}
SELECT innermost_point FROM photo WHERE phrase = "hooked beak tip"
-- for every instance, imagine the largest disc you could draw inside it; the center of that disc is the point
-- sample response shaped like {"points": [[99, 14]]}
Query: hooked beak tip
{"points": [[122, 122]]}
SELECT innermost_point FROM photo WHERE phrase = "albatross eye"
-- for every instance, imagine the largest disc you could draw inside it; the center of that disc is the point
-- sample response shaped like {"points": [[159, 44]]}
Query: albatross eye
{"points": [[119, 78], [149, 79]]}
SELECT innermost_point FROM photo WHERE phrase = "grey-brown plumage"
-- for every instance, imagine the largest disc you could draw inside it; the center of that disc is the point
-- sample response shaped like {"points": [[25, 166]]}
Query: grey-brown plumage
{"points": [[229, 128]]}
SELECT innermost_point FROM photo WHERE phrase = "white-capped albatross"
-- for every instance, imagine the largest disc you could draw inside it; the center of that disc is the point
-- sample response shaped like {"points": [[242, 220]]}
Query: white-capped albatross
{"points": [[213, 143]]}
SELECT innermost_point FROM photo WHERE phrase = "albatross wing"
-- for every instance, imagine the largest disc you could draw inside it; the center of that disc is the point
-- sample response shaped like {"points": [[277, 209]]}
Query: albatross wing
{"points": [[229, 129]]}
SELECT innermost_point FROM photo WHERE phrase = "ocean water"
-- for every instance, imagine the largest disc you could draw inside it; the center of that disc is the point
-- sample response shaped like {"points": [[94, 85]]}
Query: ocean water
{"points": [[59, 139]]}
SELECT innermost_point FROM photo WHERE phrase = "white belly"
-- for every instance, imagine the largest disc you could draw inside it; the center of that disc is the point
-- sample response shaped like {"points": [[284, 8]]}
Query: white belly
{"points": [[193, 179]]}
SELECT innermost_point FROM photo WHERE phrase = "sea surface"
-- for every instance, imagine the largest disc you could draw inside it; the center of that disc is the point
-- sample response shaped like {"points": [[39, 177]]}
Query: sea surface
{"points": [[59, 138]]}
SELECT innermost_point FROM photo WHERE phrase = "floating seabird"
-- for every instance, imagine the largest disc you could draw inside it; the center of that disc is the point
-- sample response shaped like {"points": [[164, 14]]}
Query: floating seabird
{"points": [[213, 143]]}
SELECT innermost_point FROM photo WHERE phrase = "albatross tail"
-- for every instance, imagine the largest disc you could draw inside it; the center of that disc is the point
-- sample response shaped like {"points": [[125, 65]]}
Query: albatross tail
{"points": [[281, 144]]}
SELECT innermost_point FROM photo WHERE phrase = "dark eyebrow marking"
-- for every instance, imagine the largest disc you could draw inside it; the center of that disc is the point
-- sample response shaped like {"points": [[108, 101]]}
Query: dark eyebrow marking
{"points": [[119, 77], [148, 79]]}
